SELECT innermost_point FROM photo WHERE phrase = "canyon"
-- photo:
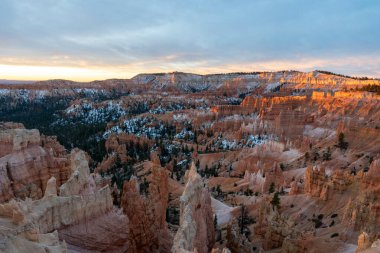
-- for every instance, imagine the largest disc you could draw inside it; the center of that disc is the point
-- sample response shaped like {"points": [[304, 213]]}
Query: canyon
{"points": [[177, 162]]}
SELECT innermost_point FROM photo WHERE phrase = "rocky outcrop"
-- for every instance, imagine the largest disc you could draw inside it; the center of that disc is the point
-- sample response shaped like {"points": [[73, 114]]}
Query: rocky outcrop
{"points": [[319, 184], [277, 230], [363, 211], [26, 166], [80, 182], [236, 241], [315, 183], [254, 180], [14, 137], [196, 231], [246, 81], [77, 205], [363, 242], [53, 212], [261, 181], [106, 233], [51, 187], [145, 205], [295, 188], [273, 176], [32, 241]]}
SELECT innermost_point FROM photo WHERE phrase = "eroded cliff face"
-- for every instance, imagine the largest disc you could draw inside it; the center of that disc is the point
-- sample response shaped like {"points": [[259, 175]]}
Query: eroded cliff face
{"points": [[319, 184], [248, 81], [145, 205], [283, 133], [26, 165], [196, 230], [31, 225], [362, 212]]}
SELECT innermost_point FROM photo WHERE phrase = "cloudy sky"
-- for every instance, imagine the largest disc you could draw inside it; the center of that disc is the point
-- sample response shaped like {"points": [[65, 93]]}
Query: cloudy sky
{"points": [[100, 39]]}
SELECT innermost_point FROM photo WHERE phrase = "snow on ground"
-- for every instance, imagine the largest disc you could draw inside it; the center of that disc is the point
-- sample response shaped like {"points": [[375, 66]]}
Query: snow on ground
{"points": [[222, 211], [254, 140], [180, 117], [290, 155], [271, 86], [251, 85], [184, 134], [296, 173], [4, 91], [318, 132], [114, 129], [250, 141], [347, 248], [146, 126], [88, 113], [40, 94]]}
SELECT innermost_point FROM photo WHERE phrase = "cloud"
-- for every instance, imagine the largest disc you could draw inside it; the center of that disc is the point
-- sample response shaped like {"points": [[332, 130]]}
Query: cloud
{"points": [[186, 35]]}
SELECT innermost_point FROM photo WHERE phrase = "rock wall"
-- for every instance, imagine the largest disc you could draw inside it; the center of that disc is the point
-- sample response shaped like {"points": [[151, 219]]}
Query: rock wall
{"points": [[33, 242], [318, 184], [25, 166], [14, 137], [146, 212], [196, 229], [363, 211], [25, 222]]}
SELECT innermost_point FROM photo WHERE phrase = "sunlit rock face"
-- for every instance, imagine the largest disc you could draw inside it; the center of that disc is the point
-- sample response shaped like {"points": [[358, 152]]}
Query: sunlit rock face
{"points": [[196, 231], [253, 136], [264, 80]]}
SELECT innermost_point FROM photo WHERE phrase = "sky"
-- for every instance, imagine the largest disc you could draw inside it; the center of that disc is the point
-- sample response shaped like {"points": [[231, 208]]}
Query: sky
{"points": [[100, 39]]}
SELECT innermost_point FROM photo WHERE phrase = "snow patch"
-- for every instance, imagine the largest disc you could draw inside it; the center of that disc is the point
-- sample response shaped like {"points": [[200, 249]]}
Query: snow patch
{"points": [[222, 211]]}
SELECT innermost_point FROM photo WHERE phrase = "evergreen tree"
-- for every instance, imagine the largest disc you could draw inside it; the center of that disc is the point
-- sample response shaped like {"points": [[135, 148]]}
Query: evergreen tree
{"points": [[276, 200], [342, 144], [327, 155], [244, 221], [144, 186], [215, 221], [271, 188]]}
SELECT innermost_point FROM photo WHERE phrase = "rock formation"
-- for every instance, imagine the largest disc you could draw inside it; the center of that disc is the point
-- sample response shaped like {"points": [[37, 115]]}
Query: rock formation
{"points": [[247, 132], [51, 187], [14, 137], [33, 241], [26, 166], [319, 184], [196, 231], [145, 205], [363, 242], [316, 183], [25, 225], [236, 241], [363, 210]]}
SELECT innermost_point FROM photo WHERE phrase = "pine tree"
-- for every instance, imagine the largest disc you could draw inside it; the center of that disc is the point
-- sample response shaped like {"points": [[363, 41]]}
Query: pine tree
{"points": [[215, 221], [342, 144], [244, 221], [271, 188], [327, 155], [276, 200]]}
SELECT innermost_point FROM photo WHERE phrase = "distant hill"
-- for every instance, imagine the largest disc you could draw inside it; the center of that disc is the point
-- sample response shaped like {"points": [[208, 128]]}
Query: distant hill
{"points": [[241, 82], [6, 81]]}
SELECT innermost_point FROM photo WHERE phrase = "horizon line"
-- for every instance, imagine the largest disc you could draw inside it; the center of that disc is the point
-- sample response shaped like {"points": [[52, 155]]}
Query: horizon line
{"points": [[26, 81]]}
